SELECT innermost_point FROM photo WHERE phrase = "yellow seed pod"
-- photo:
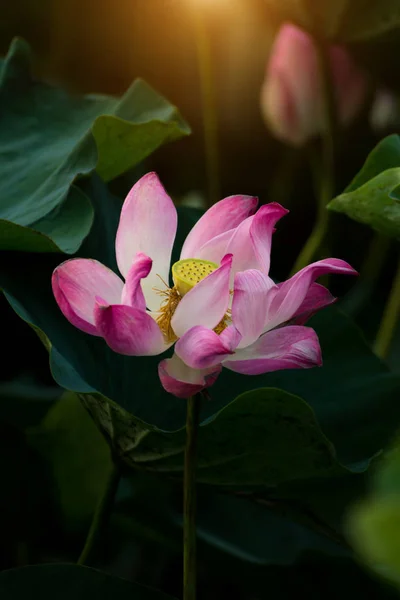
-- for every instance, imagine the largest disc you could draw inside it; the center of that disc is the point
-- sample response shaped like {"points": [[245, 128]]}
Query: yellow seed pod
{"points": [[186, 273]]}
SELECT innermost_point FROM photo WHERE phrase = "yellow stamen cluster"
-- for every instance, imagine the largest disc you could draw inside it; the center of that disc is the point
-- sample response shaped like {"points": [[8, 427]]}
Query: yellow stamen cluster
{"points": [[186, 274]]}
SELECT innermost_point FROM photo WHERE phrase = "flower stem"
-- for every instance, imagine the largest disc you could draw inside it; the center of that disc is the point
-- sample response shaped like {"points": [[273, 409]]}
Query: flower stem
{"points": [[189, 499], [101, 514], [390, 319], [324, 168], [208, 101]]}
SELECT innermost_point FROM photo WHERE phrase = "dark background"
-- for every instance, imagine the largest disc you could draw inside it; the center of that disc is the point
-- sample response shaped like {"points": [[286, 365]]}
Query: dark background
{"points": [[101, 46]]}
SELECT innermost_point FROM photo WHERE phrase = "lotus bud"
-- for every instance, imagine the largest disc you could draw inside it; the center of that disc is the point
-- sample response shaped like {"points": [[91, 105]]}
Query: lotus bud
{"points": [[292, 93]]}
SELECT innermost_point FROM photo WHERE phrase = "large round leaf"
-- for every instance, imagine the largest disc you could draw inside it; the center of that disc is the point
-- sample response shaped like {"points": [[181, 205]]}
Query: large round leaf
{"points": [[78, 457], [263, 438], [49, 138]]}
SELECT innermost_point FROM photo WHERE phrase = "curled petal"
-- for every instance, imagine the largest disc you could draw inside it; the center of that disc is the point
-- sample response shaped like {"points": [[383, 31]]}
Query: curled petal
{"points": [[286, 299], [241, 248], [317, 297], [250, 304], [183, 381], [201, 348], [250, 244], [76, 283], [222, 216], [261, 231], [132, 294], [206, 303], [128, 330], [289, 347], [147, 224]]}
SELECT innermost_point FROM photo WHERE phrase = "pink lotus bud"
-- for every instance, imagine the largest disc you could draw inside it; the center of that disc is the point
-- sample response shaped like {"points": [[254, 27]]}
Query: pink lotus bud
{"points": [[291, 97]]}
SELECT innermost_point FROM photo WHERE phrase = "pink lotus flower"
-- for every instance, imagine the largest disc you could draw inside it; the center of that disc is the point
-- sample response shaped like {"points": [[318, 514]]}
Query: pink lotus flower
{"points": [[223, 308], [291, 96]]}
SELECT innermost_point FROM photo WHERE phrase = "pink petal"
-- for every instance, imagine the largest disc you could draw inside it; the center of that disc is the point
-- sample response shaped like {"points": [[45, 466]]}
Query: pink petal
{"points": [[132, 294], [201, 348], [250, 244], [76, 283], [250, 304], [206, 303], [242, 249], [129, 330], [215, 249], [289, 347], [224, 215], [261, 231], [182, 381], [286, 298], [147, 225], [317, 297]]}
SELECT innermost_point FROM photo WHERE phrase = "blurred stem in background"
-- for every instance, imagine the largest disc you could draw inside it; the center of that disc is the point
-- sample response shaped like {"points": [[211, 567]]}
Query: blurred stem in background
{"points": [[102, 513], [208, 102], [189, 498], [323, 166], [390, 319]]}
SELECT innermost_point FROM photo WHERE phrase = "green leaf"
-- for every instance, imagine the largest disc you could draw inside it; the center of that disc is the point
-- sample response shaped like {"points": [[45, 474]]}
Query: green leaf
{"points": [[263, 438], [373, 197], [343, 20], [261, 535], [78, 457], [70, 581], [385, 155], [49, 139], [376, 536], [374, 524]]}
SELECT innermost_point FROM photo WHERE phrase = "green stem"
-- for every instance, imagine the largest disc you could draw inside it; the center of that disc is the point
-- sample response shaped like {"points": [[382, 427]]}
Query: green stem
{"points": [[101, 514], [208, 102], [390, 319], [324, 168], [189, 499]]}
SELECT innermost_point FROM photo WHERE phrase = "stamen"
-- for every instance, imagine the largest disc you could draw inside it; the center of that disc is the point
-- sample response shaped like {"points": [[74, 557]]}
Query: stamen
{"points": [[186, 273], [224, 323], [167, 309]]}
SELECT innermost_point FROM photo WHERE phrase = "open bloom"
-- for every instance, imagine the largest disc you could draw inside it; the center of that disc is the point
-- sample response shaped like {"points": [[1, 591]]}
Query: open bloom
{"points": [[222, 307], [292, 93]]}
